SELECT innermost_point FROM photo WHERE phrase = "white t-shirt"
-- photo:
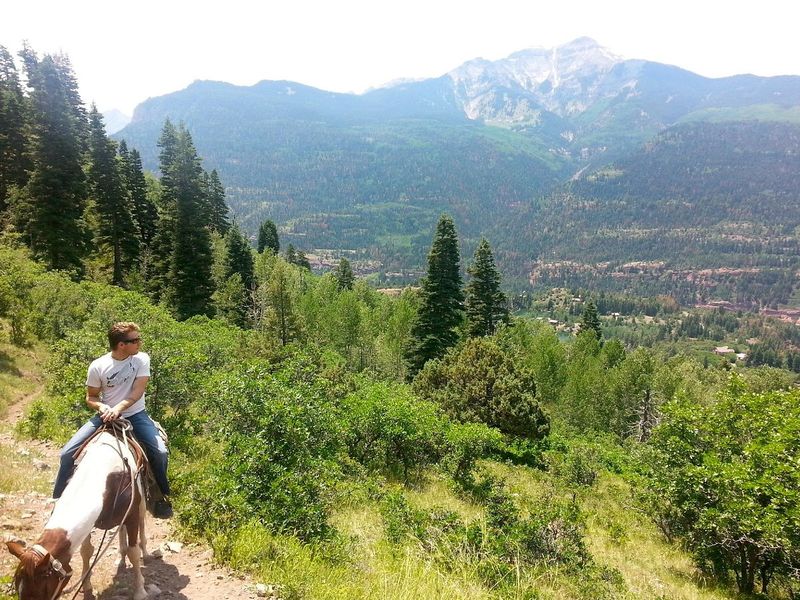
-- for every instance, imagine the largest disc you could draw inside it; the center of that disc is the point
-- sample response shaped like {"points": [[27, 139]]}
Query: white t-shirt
{"points": [[115, 379]]}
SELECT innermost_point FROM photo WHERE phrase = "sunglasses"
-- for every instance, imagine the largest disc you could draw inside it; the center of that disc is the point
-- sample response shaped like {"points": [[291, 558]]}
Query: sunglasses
{"points": [[135, 340]]}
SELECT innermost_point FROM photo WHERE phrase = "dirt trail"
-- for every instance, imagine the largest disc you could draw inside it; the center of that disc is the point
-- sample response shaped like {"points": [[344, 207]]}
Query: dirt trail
{"points": [[180, 572]]}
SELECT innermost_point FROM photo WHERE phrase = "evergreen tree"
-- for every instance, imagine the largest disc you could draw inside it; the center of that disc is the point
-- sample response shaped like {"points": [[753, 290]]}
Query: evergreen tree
{"points": [[481, 382], [239, 258], [158, 282], [297, 257], [486, 304], [218, 209], [49, 209], [143, 210], [73, 97], [190, 271], [279, 315], [114, 228], [231, 301], [302, 260], [291, 254], [14, 159], [590, 321], [344, 275], [442, 300], [268, 237]]}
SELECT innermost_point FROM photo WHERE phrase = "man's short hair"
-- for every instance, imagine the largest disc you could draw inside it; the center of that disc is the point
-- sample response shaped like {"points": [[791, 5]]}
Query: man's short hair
{"points": [[119, 332]]}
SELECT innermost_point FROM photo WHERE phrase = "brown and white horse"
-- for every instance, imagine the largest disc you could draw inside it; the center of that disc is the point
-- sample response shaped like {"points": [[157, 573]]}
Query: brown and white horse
{"points": [[105, 489]]}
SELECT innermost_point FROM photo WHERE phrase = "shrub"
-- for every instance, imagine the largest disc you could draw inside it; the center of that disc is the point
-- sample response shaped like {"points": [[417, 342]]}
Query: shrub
{"points": [[577, 466], [18, 275], [723, 477], [281, 437], [389, 429], [480, 383], [466, 443]]}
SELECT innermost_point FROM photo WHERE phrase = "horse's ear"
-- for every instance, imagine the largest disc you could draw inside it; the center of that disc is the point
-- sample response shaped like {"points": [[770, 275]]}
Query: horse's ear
{"points": [[16, 547]]}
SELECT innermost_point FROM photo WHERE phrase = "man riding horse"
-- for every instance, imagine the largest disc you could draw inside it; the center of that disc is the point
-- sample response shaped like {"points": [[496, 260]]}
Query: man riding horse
{"points": [[115, 387]]}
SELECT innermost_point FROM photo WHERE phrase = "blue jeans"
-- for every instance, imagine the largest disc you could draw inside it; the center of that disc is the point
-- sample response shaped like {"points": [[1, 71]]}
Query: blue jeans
{"points": [[146, 434]]}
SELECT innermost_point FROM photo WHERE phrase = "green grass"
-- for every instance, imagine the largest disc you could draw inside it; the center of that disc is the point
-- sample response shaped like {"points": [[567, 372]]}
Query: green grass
{"points": [[631, 559], [622, 538]]}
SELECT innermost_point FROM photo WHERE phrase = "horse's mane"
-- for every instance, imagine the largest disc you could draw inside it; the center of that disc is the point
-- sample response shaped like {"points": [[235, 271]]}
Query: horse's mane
{"points": [[27, 566]]}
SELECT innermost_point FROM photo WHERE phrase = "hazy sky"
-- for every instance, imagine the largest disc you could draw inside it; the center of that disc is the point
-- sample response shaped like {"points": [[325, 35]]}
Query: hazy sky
{"points": [[125, 52]]}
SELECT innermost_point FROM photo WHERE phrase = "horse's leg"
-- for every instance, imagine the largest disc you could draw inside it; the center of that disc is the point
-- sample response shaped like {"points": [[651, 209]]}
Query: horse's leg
{"points": [[86, 554], [123, 546], [132, 525], [142, 536]]}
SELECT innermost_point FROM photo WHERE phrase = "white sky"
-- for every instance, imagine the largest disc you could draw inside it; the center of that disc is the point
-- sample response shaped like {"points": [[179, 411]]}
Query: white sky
{"points": [[125, 52]]}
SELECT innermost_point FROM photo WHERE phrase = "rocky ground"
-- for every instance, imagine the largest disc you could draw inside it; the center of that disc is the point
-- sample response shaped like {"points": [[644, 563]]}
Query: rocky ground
{"points": [[174, 571]]}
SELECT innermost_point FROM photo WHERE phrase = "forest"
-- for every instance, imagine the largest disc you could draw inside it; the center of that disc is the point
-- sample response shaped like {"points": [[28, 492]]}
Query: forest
{"points": [[343, 442]]}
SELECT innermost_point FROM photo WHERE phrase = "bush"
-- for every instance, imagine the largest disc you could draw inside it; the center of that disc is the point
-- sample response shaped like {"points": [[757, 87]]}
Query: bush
{"points": [[282, 438], [466, 443], [18, 275], [577, 466], [723, 477], [390, 430], [480, 383]]}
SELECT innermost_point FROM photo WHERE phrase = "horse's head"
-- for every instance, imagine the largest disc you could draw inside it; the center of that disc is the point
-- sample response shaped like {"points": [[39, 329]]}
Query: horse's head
{"points": [[39, 576]]}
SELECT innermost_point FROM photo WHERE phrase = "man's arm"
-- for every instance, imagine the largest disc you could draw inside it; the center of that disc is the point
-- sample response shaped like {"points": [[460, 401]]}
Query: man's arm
{"points": [[93, 399], [138, 389]]}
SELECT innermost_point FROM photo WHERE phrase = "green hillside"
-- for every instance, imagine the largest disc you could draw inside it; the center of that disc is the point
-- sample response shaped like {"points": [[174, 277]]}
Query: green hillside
{"points": [[703, 210], [312, 467]]}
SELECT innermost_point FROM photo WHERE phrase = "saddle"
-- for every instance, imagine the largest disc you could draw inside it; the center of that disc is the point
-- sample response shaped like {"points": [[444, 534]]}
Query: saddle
{"points": [[122, 430]]}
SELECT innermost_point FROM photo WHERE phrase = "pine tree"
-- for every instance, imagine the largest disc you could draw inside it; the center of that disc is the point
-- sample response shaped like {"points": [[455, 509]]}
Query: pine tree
{"points": [[144, 212], [14, 159], [268, 237], [280, 317], [218, 209], [291, 254], [297, 257], [590, 321], [486, 304], [114, 228], [162, 246], [442, 300], [344, 275], [190, 271], [49, 209], [301, 260], [239, 258]]}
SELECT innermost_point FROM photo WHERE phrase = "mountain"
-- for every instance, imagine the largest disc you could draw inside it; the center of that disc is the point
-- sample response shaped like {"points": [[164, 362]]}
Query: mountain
{"points": [[115, 120], [503, 146], [703, 210]]}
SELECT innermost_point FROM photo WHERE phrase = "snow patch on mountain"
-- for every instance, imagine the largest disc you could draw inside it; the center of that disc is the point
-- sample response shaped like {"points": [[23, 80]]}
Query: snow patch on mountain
{"points": [[566, 80]]}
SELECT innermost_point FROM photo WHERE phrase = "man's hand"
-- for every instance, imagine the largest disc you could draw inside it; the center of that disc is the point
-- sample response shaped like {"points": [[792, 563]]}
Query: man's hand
{"points": [[108, 414]]}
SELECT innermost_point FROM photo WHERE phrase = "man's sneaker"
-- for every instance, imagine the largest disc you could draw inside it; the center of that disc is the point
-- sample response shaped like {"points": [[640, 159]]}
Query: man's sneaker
{"points": [[162, 509]]}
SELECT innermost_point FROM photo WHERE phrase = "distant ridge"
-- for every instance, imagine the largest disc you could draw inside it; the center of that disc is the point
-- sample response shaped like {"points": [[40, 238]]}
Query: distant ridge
{"points": [[115, 120], [490, 142]]}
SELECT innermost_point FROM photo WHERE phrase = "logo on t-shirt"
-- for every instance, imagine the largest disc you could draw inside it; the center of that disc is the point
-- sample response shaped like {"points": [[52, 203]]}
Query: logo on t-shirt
{"points": [[121, 376]]}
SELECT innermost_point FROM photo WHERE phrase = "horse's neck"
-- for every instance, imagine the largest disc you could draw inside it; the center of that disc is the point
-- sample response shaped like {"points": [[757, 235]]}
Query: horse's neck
{"points": [[82, 501]]}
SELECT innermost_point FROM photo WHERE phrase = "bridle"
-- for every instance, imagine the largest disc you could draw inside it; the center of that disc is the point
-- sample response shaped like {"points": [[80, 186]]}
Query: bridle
{"points": [[54, 567]]}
